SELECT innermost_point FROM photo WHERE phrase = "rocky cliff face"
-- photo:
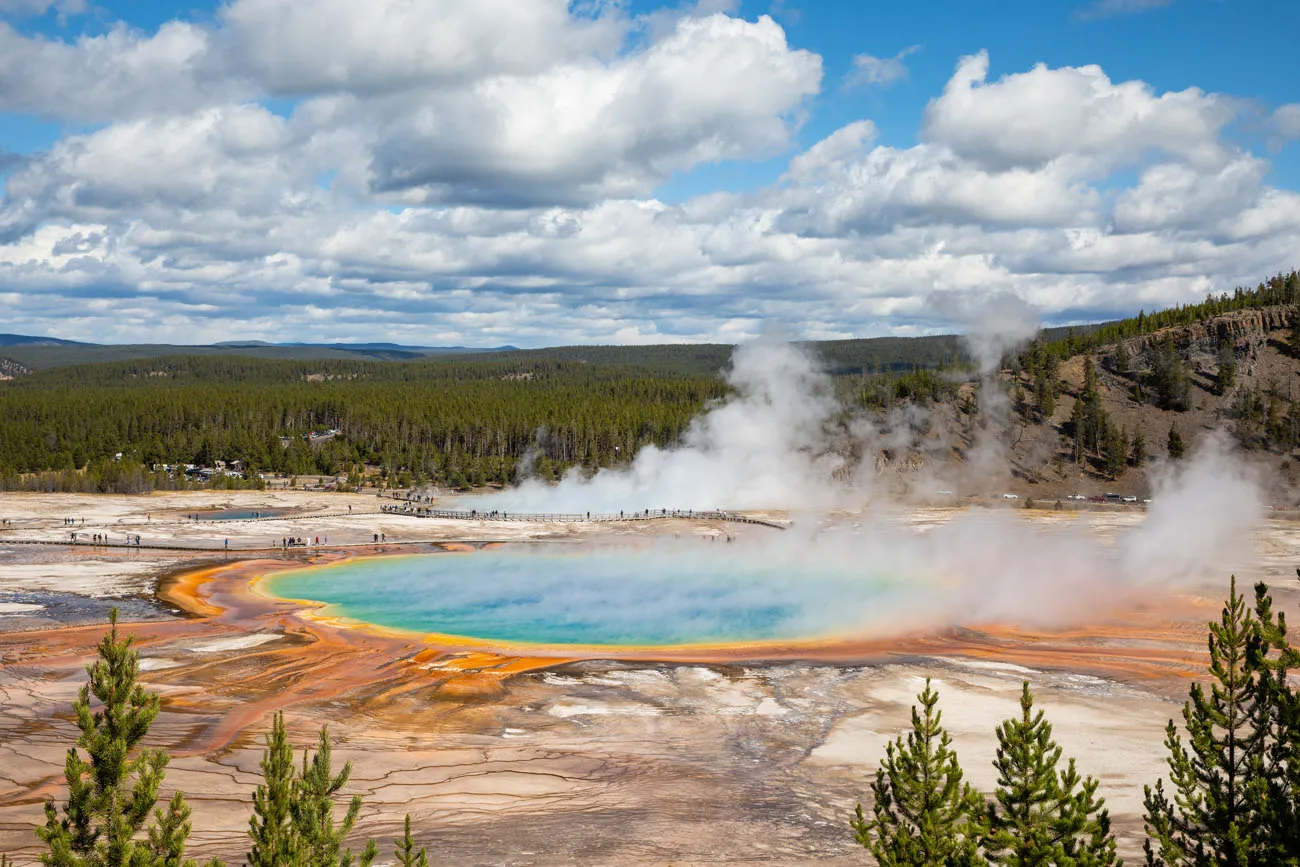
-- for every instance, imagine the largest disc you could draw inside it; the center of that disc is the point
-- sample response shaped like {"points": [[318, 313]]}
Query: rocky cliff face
{"points": [[10, 369], [1244, 328], [1005, 446]]}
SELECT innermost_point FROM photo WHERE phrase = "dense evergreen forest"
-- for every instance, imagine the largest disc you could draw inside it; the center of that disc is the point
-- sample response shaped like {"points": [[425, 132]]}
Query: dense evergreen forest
{"points": [[458, 424]]}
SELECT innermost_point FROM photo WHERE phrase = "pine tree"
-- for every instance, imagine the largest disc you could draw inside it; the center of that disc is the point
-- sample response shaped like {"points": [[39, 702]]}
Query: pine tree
{"points": [[1121, 359], [111, 794], [922, 815], [1215, 816], [271, 826], [1042, 816], [1138, 454], [1174, 445], [1116, 451], [406, 853], [1078, 424], [1227, 372], [1277, 718], [320, 838], [1293, 340], [1046, 383], [1173, 385]]}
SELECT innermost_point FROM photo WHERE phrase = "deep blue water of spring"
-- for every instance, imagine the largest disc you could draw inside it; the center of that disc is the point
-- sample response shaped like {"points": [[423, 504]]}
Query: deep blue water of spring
{"points": [[590, 596]]}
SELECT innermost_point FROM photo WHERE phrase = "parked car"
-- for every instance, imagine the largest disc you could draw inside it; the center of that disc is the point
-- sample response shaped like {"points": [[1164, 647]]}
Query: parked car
{"points": [[1076, 497], [1010, 496], [1130, 499], [1113, 498]]}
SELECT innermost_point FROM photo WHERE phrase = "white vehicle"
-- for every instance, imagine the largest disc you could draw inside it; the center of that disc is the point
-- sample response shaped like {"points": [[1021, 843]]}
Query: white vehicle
{"points": [[1076, 497], [1130, 499], [1010, 497]]}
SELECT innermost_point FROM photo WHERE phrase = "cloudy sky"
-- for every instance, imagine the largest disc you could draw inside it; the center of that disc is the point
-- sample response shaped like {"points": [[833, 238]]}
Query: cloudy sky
{"points": [[541, 172]]}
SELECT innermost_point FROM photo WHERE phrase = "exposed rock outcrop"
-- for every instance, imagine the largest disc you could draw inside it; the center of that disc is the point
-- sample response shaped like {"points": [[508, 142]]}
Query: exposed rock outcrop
{"points": [[10, 369]]}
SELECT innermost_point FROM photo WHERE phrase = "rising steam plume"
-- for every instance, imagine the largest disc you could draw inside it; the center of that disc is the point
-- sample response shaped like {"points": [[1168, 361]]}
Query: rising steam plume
{"points": [[766, 446], [779, 442]]}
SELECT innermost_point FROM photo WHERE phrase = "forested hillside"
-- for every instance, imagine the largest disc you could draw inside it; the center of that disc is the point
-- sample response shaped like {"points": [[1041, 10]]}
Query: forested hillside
{"points": [[1097, 407], [1087, 405]]}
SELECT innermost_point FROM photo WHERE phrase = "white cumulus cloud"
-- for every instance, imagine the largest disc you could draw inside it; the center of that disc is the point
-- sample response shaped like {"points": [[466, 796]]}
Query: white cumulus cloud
{"points": [[291, 47], [478, 199], [123, 73], [1031, 118]]}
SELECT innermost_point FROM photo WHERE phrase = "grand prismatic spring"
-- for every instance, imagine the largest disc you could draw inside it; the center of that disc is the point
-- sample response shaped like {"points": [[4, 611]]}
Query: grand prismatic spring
{"points": [[664, 595]]}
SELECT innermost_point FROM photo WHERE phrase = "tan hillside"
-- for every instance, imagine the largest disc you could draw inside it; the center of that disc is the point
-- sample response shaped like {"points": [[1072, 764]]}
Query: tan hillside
{"points": [[1258, 411]]}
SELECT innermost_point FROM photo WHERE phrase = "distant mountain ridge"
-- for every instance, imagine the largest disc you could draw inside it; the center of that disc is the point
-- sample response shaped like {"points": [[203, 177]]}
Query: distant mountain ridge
{"points": [[857, 355], [366, 347], [39, 353], [29, 340]]}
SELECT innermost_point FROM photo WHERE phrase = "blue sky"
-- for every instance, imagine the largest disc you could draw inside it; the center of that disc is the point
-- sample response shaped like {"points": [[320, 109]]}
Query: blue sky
{"points": [[512, 225], [1244, 48]]}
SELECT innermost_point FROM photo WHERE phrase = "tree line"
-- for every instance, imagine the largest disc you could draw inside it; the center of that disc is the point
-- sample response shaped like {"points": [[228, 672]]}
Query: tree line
{"points": [[452, 424], [1279, 290]]}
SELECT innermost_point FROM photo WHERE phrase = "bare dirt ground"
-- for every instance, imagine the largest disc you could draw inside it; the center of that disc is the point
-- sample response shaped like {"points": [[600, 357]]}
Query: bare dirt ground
{"points": [[507, 761]]}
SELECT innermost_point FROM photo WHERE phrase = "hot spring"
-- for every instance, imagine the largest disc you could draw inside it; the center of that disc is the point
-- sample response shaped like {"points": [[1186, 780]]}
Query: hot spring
{"points": [[657, 596]]}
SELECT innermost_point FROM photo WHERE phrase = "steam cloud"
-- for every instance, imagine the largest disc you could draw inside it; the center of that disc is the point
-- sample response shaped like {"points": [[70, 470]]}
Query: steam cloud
{"points": [[766, 447], [776, 444], [893, 572]]}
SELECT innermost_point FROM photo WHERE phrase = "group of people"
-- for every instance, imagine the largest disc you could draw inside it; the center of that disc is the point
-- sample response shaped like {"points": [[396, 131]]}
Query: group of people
{"points": [[295, 542], [102, 538], [73, 522], [408, 509]]}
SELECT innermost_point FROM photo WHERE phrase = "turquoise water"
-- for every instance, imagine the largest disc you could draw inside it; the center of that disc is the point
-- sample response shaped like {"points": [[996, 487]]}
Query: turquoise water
{"points": [[591, 597]]}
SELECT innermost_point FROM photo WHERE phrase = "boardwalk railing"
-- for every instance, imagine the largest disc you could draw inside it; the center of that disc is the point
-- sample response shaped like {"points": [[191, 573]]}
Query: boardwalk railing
{"points": [[578, 517], [420, 512]]}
